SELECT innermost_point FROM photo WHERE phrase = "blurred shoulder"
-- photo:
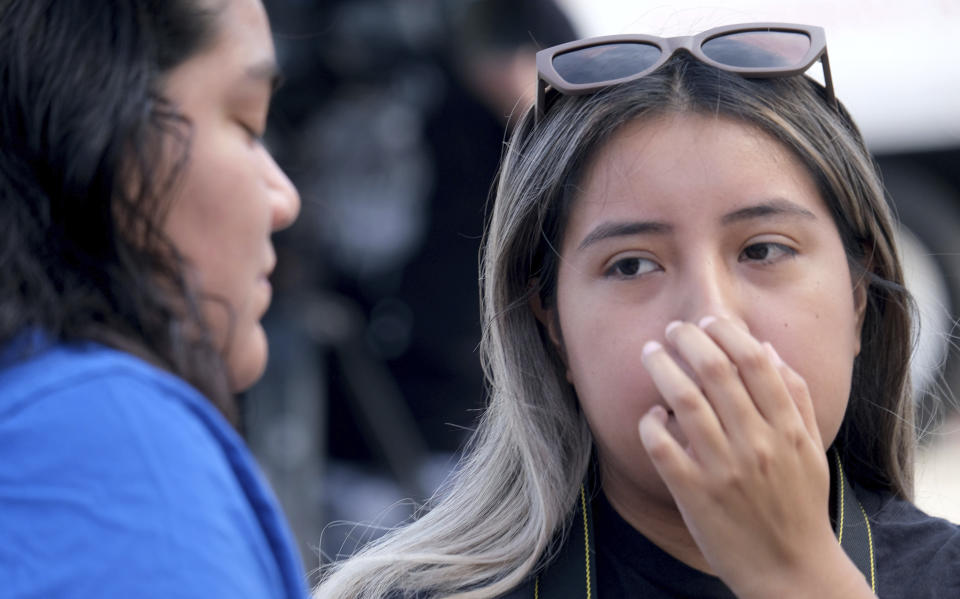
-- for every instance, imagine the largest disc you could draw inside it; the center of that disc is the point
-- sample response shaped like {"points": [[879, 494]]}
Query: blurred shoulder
{"points": [[99, 444], [86, 412], [916, 554], [78, 369], [88, 389]]}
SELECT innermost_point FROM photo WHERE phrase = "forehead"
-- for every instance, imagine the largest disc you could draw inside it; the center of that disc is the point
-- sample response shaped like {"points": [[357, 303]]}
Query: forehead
{"points": [[241, 50], [689, 163], [241, 29]]}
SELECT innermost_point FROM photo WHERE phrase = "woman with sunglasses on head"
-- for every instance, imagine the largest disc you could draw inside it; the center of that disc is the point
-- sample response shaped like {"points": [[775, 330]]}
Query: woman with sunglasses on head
{"points": [[137, 204], [697, 342]]}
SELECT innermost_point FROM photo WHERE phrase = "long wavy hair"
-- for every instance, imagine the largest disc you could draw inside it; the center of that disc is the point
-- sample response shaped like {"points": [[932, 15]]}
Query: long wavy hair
{"points": [[496, 521], [83, 123]]}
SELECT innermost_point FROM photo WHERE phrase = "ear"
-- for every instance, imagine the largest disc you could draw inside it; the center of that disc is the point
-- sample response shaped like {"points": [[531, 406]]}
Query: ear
{"points": [[546, 316], [551, 323]]}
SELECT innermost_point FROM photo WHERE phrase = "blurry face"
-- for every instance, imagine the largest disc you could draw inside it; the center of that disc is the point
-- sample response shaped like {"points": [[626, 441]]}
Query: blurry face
{"points": [[682, 217], [232, 194]]}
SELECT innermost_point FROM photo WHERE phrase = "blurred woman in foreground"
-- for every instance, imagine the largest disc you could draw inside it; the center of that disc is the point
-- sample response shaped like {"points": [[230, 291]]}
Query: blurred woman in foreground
{"points": [[136, 208]]}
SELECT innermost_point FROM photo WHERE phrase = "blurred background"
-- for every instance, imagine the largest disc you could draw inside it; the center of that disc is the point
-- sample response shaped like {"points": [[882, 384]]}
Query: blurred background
{"points": [[391, 121]]}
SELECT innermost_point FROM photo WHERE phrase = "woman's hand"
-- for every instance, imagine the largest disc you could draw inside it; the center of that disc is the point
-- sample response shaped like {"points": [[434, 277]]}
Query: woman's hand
{"points": [[752, 483]]}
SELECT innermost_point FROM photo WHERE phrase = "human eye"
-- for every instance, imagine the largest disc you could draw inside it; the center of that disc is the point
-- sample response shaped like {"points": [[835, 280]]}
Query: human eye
{"points": [[767, 252], [254, 134], [631, 267]]}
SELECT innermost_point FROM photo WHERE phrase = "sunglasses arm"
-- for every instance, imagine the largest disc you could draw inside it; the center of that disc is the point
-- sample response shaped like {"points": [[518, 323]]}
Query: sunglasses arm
{"points": [[541, 107], [828, 80]]}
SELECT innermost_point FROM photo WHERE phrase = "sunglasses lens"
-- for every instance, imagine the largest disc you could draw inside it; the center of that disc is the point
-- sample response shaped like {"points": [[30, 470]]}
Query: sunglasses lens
{"points": [[605, 62], [758, 49]]}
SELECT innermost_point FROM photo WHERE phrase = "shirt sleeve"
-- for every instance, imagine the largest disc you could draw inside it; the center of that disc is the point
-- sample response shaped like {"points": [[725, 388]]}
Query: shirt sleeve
{"points": [[110, 487]]}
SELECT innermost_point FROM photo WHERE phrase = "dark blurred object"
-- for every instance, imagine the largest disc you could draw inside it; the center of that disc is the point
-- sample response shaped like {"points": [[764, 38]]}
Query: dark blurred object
{"points": [[391, 122], [383, 124]]}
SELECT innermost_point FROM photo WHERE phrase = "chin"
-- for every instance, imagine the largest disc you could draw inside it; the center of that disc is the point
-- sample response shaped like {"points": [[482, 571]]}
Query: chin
{"points": [[247, 359]]}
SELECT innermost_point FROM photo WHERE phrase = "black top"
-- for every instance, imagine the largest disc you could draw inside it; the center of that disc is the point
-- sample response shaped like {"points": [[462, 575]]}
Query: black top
{"points": [[630, 565], [917, 557]]}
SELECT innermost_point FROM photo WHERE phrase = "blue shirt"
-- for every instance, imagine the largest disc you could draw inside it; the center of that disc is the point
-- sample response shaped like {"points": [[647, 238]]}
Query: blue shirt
{"points": [[118, 479]]}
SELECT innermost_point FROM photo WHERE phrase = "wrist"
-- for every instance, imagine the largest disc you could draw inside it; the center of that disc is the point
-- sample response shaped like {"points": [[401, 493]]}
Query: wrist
{"points": [[823, 574]]}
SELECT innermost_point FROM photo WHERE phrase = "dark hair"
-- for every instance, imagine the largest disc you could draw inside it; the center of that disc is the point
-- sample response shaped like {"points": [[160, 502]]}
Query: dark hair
{"points": [[83, 122], [876, 438]]}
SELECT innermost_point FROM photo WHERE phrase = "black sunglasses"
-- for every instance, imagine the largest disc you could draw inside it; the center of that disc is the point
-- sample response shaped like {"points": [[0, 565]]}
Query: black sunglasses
{"points": [[756, 50]]}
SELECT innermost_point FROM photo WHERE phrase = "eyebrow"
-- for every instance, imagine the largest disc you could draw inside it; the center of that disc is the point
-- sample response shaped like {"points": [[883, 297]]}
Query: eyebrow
{"points": [[774, 208], [266, 70], [625, 229], [777, 207]]}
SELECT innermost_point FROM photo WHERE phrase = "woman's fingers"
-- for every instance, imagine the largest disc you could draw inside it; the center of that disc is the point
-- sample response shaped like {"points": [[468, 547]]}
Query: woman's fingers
{"points": [[719, 377], [693, 413], [755, 454], [779, 393], [735, 392], [758, 370], [736, 395], [801, 396], [670, 458], [673, 462]]}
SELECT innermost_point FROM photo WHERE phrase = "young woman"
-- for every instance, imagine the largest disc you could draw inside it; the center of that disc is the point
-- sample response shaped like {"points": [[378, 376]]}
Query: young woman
{"points": [[136, 208], [696, 342]]}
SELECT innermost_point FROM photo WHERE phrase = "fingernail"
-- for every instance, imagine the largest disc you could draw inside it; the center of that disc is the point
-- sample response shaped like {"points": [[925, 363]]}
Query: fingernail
{"points": [[706, 321], [654, 414], [658, 412], [650, 347], [672, 326], [773, 353]]}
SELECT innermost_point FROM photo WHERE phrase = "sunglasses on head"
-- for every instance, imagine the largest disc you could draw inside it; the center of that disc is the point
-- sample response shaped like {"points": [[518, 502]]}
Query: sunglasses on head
{"points": [[754, 50]]}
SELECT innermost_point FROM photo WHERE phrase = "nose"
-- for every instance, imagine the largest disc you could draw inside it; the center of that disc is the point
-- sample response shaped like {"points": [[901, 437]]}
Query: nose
{"points": [[284, 197], [711, 289]]}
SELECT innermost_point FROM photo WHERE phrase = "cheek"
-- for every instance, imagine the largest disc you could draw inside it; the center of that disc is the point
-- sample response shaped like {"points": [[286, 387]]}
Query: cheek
{"points": [[828, 380], [214, 184], [221, 226], [198, 212], [217, 219], [819, 339], [603, 351]]}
